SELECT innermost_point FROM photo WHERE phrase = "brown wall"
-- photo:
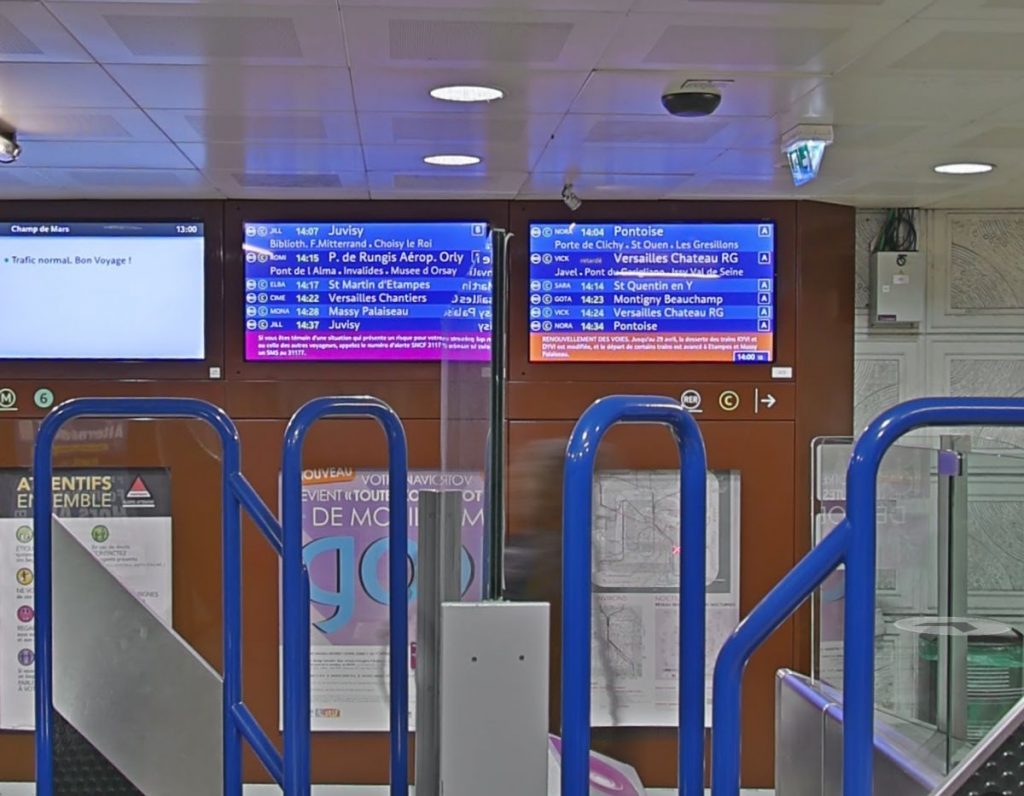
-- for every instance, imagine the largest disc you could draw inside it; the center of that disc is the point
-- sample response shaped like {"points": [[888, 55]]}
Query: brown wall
{"points": [[770, 448]]}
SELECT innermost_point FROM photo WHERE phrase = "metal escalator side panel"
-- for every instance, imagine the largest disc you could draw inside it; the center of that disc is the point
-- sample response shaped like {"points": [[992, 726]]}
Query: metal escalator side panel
{"points": [[131, 686]]}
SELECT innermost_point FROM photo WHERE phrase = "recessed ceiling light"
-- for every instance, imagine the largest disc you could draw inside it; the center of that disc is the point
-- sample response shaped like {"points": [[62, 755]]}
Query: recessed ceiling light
{"points": [[964, 168], [451, 160], [467, 93]]}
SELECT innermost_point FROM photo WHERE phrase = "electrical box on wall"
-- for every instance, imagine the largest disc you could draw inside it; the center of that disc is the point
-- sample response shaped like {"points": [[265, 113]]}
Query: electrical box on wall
{"points": [[897, 288]]}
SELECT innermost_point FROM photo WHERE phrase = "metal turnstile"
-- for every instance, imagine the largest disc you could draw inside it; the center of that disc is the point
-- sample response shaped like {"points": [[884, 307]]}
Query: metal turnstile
{"points": [[154, 717]]}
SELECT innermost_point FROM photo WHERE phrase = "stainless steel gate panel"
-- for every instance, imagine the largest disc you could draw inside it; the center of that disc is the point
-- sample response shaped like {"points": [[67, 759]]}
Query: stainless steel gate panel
{"points": [[808, 746]]}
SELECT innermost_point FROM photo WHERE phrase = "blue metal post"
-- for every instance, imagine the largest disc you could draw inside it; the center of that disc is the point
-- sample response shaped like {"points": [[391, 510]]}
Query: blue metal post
{"points": [[236, 492], [296, 589], [576, 580]]}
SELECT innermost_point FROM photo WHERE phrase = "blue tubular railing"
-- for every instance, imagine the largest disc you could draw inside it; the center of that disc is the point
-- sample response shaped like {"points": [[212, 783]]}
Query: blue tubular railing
{"points": [[854, 542], [296, 589], [238, 494], [576, 580]]}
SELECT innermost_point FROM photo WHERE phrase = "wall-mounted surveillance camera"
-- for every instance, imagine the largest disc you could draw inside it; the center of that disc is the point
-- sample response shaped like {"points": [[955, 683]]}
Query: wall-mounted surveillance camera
{"points": [[570, 197], [693, 98], [9, 147]]}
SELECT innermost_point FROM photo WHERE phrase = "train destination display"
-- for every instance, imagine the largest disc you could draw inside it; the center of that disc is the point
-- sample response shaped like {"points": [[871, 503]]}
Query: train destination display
{"points": [[373, 291], [679, 292], [102, 290]]}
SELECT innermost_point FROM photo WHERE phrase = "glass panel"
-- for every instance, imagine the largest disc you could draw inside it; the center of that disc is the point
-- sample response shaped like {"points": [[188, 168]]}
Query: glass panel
{"points": [[472, 392], [995, 588], [906, 597], [950, 590]]}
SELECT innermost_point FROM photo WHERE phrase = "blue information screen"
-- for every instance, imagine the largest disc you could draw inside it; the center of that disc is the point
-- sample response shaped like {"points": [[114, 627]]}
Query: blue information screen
{"points": [[367, 291], [682, 292], [102, 290]]}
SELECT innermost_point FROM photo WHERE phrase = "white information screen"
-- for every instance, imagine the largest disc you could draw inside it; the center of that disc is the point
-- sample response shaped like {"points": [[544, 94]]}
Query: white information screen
{"points": [[75, 290]]}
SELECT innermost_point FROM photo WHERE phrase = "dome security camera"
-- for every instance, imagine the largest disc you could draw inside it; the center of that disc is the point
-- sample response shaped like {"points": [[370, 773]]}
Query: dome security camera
{"points": [[693, 98]]}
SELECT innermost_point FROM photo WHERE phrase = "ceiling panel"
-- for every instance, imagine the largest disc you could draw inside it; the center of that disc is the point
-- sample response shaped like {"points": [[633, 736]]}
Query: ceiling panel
{"points": [[490, 185], [967, 50], [106, 184], [42, 87], [1012, 10], [619, 159], [901, 99], [841, 10], [479, 131], [240, 184], [408, 90], [621, 6], [28, 32], [175, 33], [101, 154], [639, 92], [603, 187], [947, 47], [284, 3], [231, 89], [648, 130], [444, 37], [259, 95], [409, 159], [762, 163], [881, 135], [773, 43], [83, 125], [281, 158], [736, 186], [889, 193], [192, 126]]}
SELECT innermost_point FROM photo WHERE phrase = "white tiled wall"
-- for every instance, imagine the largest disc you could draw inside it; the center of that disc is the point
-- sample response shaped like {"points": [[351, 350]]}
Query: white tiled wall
{"points": [[972, 340]]}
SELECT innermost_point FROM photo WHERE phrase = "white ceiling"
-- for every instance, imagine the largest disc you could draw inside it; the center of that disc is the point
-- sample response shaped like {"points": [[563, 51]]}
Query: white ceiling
{"points": [[316, 99]]}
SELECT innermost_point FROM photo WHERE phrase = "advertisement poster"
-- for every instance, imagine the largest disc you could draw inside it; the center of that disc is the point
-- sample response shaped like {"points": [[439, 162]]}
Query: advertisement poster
{"points": [[345, 532], [123, 517], [635, 627]]}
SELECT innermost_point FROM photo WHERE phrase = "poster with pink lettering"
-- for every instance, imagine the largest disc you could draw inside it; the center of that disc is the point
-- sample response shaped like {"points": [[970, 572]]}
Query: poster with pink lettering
{"points": [[345, 519]]}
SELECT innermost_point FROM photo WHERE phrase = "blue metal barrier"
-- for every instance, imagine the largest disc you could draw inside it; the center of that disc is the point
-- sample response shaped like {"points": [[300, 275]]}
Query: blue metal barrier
{"points": [[238, 494], [296, 589], [576, 580], [854, 542]]}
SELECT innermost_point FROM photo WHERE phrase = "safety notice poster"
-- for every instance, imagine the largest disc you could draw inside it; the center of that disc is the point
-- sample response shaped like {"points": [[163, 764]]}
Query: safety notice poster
{"points": [[123, 517], [345, 534], [635, 625]]}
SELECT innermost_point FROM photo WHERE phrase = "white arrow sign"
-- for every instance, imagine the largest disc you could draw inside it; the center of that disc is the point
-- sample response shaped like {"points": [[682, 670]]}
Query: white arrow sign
{"points": [[769, 400]]}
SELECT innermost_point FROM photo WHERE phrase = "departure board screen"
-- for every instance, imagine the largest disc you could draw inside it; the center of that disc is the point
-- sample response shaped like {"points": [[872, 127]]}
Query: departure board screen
{"points": [[682, 292], [374, 291], [102, 290]]}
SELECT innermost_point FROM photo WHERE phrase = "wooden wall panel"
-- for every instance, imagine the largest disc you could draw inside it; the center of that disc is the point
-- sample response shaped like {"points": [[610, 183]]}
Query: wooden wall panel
{"points": [[815, 332]]}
